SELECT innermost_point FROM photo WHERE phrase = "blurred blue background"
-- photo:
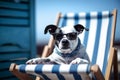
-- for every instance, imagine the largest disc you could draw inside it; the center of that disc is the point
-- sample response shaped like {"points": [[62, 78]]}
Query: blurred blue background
{"points": [[46, 11]]}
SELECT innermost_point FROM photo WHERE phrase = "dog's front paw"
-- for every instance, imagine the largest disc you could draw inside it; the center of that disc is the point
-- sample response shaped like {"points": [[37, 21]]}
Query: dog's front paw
{"points": [[79, 61], [39, 61], [33, 61]]}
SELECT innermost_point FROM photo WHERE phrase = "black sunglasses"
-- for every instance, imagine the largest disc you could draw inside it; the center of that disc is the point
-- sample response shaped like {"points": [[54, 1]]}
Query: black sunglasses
{"points": [[70, 36]]}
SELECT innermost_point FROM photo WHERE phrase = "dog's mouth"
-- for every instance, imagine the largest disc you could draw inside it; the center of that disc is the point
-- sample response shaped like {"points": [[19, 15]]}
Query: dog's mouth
{"points": [[67, 50], [65, 47]]}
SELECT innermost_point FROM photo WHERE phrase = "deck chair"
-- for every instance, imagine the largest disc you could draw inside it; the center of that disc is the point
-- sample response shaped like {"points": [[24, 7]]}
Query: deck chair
{"points": [[99, 43]]}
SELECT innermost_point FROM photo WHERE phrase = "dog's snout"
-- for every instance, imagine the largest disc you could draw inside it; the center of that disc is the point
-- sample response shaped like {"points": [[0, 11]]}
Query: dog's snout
{"points": [[65, 42]]}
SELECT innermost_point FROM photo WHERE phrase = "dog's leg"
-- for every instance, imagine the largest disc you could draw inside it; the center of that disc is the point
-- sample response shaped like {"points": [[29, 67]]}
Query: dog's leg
{"points": [[37, 61], [79, 61], [40, 61]]}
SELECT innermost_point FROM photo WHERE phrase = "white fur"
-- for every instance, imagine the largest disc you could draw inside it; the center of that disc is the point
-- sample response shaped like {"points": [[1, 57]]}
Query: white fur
{"points": [[73, 43]]}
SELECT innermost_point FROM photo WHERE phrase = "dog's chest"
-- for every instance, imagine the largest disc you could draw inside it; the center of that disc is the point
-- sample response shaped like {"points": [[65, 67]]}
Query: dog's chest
{"points": [[69, 59], [66, 59]]}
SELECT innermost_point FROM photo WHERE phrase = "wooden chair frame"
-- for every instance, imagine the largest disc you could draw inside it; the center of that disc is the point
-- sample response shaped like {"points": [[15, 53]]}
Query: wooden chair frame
{"points": [[112, 61]]}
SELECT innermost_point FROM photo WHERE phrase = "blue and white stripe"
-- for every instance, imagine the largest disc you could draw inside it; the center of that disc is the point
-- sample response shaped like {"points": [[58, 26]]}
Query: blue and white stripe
{"points": [[57, 72]]}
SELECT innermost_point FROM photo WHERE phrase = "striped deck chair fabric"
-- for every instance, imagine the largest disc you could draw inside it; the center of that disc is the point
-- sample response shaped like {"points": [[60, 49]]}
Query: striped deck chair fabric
{"points": [[58, 72], [97, 39], [97, 43]]}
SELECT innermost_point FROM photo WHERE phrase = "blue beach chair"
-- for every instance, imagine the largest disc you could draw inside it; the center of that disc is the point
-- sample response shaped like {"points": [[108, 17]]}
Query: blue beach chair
{"points": [[99, 43]]}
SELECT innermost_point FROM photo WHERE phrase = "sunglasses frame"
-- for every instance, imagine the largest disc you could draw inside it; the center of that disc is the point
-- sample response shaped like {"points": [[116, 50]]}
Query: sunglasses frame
{"points": [[70, 36]]}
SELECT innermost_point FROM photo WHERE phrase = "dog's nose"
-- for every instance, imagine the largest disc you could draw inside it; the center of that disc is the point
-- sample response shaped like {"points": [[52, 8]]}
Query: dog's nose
{"points": [[65, 42]]}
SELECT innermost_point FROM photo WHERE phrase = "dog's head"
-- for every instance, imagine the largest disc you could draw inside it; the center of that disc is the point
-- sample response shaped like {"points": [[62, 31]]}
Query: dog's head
{"points": [[66, 38]]}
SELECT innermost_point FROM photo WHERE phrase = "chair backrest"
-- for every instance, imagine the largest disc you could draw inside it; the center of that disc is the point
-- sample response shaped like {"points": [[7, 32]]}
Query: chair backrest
{"points": [[97, 40]]}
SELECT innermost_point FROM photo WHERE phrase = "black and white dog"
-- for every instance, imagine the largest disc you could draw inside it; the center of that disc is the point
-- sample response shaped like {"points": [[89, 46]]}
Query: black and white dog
{"points": [[68, 48]]}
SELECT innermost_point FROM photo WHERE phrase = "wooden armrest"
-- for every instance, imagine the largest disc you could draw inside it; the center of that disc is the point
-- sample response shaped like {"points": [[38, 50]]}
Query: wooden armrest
{"points": [[96, 70], [22, 76]]}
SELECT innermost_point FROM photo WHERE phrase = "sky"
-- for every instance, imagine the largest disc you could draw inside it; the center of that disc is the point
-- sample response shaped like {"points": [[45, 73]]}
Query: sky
{"points": [[47, 10]]}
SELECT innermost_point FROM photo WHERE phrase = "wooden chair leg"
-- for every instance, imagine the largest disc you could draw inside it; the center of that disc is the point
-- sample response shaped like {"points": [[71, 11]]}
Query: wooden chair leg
{"points": [[110, 64], [38, 78], [115, 66], [21, 76], [96, 70]]}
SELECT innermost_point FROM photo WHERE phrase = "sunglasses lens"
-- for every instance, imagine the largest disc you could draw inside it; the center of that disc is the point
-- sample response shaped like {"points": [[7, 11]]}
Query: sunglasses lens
{"points": [[58, 36], [72, 36]]}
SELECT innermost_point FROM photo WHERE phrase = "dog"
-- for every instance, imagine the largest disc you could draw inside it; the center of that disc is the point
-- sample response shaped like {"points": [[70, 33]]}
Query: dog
{"points": [[68, 48]]}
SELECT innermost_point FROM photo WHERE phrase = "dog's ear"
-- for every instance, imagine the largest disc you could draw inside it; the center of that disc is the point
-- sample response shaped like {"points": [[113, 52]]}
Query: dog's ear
{"points": [[51, 28], [80, 28]]}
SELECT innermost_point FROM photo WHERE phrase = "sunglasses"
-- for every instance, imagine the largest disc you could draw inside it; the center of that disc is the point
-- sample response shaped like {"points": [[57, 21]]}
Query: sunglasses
{"points": [[70, 36]]}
